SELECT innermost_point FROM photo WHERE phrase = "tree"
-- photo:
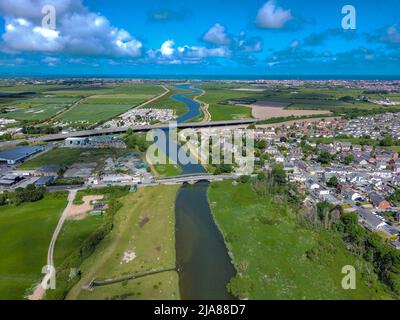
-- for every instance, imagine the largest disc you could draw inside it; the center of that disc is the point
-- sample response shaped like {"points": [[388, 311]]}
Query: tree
{"points": [[387, 141], [244, 179], [332, 182], [278, 174], [324, 157], [348, 159], [261, 176], [261, 144]]}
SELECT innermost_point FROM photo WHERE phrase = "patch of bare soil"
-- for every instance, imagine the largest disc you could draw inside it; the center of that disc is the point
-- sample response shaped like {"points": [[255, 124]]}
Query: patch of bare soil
{"points": [[268, 110], [80, 211]]}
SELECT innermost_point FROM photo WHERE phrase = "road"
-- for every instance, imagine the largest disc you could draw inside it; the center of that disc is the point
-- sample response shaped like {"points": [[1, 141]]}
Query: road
{"points": [[40, 289], [91, 133]]}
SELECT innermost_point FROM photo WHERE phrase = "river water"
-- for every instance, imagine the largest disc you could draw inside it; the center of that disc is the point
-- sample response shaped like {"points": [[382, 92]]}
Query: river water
{"points": [[203, 262]]}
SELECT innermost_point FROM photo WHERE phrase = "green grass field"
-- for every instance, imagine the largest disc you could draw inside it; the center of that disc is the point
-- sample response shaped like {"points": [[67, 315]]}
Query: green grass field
{"points": [[93, 113], [73, 233], [102, 105], [39, 102], [25, 233], [37, 113], [68, 156], [144, 225], [216, 96], [166, 102], [167, 170], [270, 251]]}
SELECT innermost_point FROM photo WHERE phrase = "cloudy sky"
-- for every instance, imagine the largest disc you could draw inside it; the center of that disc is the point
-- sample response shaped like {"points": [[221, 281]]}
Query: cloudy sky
{"points": [[252, 37]]}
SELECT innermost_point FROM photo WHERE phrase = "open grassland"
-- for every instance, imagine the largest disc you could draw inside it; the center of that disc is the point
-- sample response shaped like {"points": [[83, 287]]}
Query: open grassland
{"points": [[25, 233], [35, 113], [142, 240], [276, 257], [167, 102], [68, 156], [217, 95], [167, 170]]}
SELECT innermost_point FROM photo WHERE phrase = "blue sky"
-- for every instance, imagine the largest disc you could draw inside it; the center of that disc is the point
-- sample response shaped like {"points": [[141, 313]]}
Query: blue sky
{"points": [[218, 37]]}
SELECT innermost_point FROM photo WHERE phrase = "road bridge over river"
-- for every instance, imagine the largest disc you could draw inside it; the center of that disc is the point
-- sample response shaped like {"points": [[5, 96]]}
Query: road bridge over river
{"points": [[193, 178]]}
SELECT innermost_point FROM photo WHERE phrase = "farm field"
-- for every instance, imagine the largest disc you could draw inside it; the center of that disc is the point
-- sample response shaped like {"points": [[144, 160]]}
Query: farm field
{"points": [[38, 103], [109, 104], [302, 98], [25, 233], [143, 239], [35, 113], [270, 251], [92, 113], [68, 156]]}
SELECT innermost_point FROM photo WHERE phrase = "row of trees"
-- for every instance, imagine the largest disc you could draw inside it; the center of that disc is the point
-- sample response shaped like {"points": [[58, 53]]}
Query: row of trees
{"points": [[20, 195], [41, 130], [6, 137], [370, 246]]}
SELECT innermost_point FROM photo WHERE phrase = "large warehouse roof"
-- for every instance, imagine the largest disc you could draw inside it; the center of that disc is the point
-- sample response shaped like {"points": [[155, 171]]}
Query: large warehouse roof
{"points": [[18, 153]]}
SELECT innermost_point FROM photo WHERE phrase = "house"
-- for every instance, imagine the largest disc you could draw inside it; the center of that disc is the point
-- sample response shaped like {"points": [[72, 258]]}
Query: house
{"points": [[378, 201], [371, 221], [396, 244], [327, 148], [342, 146], [386, 156], [329, 198]]}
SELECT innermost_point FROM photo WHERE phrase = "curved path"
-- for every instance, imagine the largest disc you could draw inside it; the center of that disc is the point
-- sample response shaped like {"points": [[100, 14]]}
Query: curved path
{"points": [[40, 289], [204, 106]]}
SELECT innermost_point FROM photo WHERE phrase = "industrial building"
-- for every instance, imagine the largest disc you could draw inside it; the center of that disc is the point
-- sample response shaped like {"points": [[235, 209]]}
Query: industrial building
{"points": [[76, 142], [18, 154], [9, 180], [44, 181]]}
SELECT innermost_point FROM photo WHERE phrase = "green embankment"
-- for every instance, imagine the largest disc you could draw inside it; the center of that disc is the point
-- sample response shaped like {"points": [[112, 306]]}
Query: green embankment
{"points": [[276, 257], [142, 240]]}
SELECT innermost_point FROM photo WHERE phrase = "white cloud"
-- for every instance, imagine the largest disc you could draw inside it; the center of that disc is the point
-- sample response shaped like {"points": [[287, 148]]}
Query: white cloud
{"points": [[270, 16], [167, 48], [216, 35], [78, 31], [170, 54]]}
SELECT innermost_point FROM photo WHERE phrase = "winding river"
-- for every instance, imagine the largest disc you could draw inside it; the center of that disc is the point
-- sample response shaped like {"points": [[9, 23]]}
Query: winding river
{"points": [[203, 262]]}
